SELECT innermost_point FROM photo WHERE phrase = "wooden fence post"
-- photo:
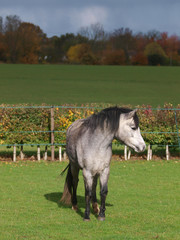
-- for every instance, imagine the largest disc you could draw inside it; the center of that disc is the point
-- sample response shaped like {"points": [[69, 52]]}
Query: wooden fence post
{"points": [[52, 133], [167, 152], [125, 152], [21, 153], [129, 154], [14, 153], [149, 153], [45, 154], [60, 154], [64, 155], [38, 153]]}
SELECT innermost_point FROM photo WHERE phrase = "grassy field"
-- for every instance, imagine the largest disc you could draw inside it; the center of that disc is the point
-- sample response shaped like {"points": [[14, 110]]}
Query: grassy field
{"points": [[143, 203], [59, 84]]}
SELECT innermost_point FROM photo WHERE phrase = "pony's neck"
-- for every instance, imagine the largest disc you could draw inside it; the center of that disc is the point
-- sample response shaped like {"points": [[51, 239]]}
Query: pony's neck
{"points": [[104, 138]]}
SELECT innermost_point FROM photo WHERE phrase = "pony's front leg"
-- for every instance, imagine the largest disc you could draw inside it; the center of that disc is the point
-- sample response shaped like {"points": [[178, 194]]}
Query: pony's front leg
{"points": [[104, 176], [88, 181]]}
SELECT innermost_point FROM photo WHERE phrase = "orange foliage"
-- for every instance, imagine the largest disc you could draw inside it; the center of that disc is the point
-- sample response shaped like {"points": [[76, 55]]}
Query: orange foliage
{"points": [[171, 46], [139, 59], [22, 42], [30, 37], [113, 57]]}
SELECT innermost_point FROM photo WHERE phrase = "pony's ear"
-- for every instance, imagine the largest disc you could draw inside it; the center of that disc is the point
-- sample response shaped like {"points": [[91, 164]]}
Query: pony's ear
{"points": [[131, 114]]}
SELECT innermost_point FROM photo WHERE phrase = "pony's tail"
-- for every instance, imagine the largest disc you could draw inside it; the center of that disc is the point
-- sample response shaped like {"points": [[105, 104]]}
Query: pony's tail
{"points": [[67, 194]]}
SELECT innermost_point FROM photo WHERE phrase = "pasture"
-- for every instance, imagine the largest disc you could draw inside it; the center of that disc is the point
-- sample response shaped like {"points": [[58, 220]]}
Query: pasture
{"points": [[143, 198], [142, 203], [62, 84]]}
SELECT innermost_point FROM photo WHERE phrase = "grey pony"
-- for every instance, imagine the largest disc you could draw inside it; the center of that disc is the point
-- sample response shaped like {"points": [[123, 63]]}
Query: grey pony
{"points": [[89, 148]]}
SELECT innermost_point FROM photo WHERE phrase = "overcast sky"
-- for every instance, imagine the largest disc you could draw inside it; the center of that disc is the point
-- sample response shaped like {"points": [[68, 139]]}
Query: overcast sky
{"points": [[56, 17]]}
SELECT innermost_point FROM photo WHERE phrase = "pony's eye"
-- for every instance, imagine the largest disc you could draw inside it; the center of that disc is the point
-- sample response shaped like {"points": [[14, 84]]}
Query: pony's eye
{"points": [[133, 128]]}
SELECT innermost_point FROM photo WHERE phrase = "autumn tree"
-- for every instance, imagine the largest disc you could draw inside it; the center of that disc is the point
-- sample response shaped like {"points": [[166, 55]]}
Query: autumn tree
{"points": [[140, 41], [171, 46], [139, 58], [2, 45], [1, 25], [2, 49], [122, 38], [12, 24], [152, 35], [174, 50], [26, 43], [113, 57], [81, 54], [30, 41], [93, 32], [97, 38]]}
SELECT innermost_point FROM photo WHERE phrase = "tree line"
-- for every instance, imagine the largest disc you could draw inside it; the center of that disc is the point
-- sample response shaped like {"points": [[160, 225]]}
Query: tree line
{"points": [[24, 42]]}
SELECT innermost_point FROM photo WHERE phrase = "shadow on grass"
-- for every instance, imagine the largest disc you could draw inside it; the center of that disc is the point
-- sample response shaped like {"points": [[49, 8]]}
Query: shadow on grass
{"points": [[56, 196]]}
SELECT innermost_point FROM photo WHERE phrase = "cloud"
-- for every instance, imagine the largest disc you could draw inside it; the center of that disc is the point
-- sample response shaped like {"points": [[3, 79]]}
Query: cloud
{"points": [[87, 16], [56, 21], [58, 17]]}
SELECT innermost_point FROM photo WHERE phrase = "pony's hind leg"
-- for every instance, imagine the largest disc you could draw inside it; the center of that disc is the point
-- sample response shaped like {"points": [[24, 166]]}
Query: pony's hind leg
{"points": [[88, 182], [75, 179], [94, 198], [103, 192]]}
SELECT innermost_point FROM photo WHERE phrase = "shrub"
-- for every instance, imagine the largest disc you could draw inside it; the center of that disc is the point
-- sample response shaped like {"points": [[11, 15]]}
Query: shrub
{"points": [[155, 54], [14, 122]]}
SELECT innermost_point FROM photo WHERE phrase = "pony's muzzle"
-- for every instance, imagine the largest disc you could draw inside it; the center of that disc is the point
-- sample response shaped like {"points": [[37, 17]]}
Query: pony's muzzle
{"points": [[140, 148]]}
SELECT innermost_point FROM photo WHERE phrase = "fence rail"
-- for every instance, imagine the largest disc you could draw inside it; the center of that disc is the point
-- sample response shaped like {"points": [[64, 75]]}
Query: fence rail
{"points": [[52, 130]]}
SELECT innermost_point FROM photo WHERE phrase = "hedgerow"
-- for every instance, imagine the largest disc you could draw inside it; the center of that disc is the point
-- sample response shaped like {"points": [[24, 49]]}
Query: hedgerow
{"points": [[32, 125]]}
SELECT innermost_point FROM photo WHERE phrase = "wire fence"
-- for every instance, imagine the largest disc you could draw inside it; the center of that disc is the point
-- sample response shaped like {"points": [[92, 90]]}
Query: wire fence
{"points": [[51, 141]]}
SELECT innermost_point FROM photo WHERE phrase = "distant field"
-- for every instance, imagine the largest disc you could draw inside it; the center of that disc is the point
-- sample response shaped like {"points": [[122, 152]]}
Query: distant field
{"points": [[59, 84]]}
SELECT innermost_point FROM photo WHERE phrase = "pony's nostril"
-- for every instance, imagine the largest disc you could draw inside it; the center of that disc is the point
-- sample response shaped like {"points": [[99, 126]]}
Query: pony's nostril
{"points": [[140, 148], [143, 148]]}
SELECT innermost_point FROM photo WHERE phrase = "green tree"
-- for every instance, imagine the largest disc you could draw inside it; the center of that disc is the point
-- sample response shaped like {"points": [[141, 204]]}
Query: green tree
{"points": [[155, 54], [57, 47]]}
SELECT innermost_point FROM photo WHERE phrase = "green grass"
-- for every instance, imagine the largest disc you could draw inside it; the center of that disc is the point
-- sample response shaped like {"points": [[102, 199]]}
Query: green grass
{"points": [[60, 84], [143, 203]]}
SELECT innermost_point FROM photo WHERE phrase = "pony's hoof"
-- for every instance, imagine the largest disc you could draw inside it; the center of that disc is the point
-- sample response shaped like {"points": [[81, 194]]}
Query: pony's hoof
{"points": [[101, 218], [75, 207], [86, 219], [95, 208]]}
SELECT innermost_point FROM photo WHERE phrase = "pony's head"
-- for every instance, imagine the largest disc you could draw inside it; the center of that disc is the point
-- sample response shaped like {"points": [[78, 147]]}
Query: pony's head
{"points": [[123, 123], [129, 131]]}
